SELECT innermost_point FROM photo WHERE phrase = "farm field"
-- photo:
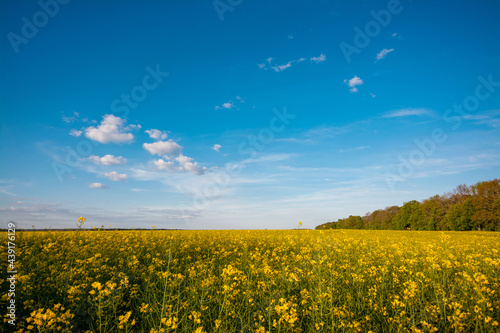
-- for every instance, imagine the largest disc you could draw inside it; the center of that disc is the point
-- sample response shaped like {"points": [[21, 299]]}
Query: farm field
{"points": [[256, 281]]}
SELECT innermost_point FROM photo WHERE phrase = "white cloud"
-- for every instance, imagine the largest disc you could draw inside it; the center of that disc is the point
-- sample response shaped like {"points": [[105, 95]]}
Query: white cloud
{"points": [[157, 134], [229, 105], [383, 53], [216, 147], [281, 68], [475, 117], [97, 185], [75, 133], [165, 165], [396, 35], [373, 95], [290, 37], [115, 176], [163, 148], [269, 158], [107, 160], [71, 119], [319, 59], [7, 185], [408, 112], [489, 118], [353, 149], [111, 129], [166, 148], [352, 83], [187, 164]]}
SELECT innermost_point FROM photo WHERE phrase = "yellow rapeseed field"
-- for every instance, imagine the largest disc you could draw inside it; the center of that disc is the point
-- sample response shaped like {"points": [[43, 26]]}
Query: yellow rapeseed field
{"points": [[256, 281]]}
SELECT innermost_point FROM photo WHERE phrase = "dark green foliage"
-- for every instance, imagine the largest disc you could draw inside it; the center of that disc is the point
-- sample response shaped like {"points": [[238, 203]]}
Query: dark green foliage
{"points": [[475, 207], [409, 217]]}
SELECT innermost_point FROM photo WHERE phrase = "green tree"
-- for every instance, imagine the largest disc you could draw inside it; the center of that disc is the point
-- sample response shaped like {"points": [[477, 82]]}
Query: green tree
{"points": [[460, 215], [487, 205], [432, 213], [409, 217], [465, 208]]}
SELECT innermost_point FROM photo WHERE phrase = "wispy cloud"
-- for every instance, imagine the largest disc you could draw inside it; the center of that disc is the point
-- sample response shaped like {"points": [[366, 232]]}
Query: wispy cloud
{"points": [[106, 160], [396, 35], [381, 55], [353, 83], [97, 185], [269, 158], [353, 149], [489, 118], [229, 105], [75, 133], [216, 147], [408, 112], [294, 140], [71, 119], [327, 132], [319, 59], [6, 186], [281, 68], [115, 176]]}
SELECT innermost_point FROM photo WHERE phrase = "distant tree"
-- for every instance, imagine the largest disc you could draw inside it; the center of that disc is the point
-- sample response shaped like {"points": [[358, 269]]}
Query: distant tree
{"points": [[432, 212], [409, 217], [459, 216], [327, 225], [352, 222], [389, 215], [370, 220], [465, 208], [466, 221], [487, 205]]}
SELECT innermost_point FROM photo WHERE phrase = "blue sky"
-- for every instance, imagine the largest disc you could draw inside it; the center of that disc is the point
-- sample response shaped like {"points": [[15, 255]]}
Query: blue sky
{"points": [[242, 114]]}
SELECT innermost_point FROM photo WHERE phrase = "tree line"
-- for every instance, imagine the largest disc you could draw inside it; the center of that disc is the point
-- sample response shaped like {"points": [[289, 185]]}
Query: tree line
{"points": [[475, 207]]}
